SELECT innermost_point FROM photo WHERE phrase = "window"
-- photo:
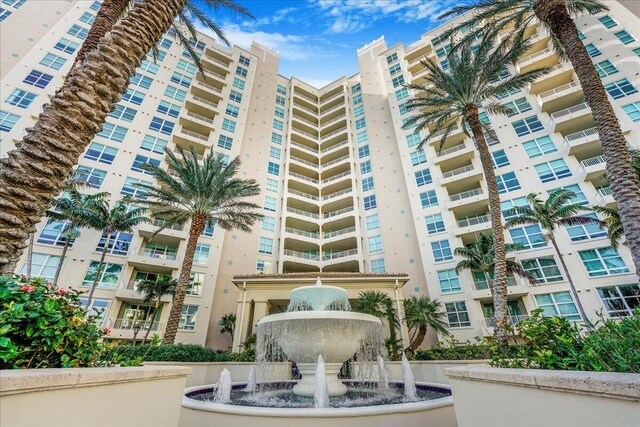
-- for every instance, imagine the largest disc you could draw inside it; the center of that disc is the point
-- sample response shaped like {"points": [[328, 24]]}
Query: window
{"points": [[235, 96], [457, 314], [518, 106], [355, 88], [544, 269], [118, 243], [527, 126], [100, 153], [441, 251], [42, 265], [633, 111], [123, 113], [365, 167], [133, 96], [579, 198], [88, 18], [108, 278], [435, 224], [229, 125], [55, 233], [423, 177], [269, 203], [161, 125], [418, 158], [281, 89], [608, 21], [413, 140], [188, 318], [266, 246], [367, 183], [392, 58], [149, 66], [620, 88], [428, 199], [603, 262], [268, 223], [272, 185], [443, 51], [140, 160], [506, 94], [279, 112], [153, 144], [78, 31], [357, 99], [242, 72], [444, 64], [196, 280], [91, 176], [280, 100], [403, 108], [605, 68], [273, 168], [529, 236], [113, 132], [637, 51], [558, 304], [277, 124], [397, 81], [225, 142], [165, 42], [406, 123], [550, 171], [370, 202], [209, 230], [20, 98], [620, 300], [363, 151], [232, 110], [130, 189], [66, 45], [402, 94], [395, 68], [169, 109], [360, 123], [592, 50], [97, 308], [175, 93], [499, 159], [263, 267], [449, 281], [372, 222], [275, 152], [438, 39], [378, 266], [238, 83], [141, 81], [581, 232], [181, 79], [375, 244], [201, 254], [38, 79], [276, 138], [53, 61], [14, 3], [507, 182], [186, 66], [539, 147], [4, 14]]}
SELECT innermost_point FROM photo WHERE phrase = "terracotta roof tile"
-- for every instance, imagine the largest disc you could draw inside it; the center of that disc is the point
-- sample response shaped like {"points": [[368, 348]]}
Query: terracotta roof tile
{"points": [[313, 275]]}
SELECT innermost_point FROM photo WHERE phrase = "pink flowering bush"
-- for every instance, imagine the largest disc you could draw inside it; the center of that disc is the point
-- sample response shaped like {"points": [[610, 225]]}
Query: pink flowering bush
{"points": [[43, 326]]}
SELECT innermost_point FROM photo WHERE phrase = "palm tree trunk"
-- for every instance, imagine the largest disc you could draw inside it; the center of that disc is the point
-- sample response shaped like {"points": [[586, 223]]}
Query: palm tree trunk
{"points": [[415, 343], [499, 291], [583, 314], [98, 272], [33, 174], [153, 315], [29, 256], [62, 256], [624, 182], [197, 226]]}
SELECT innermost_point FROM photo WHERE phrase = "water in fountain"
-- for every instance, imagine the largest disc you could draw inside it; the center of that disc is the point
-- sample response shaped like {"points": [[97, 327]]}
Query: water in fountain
{"points": [[382, 372], [223, 387], [251, 381], [409, 381], [321, 396]]}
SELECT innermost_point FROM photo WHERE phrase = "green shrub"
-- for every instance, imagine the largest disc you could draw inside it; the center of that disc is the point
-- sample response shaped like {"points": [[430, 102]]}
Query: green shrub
{"points": [[43, 326], [454, 350], [181, 353]]}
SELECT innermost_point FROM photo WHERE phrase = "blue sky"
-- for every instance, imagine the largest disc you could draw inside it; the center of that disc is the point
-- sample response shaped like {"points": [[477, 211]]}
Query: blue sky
{"points": [[317, 39]]}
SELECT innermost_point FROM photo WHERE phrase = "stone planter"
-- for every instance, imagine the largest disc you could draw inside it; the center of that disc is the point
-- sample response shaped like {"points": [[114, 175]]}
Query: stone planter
{"points": [[132, 396], [485, 396]]}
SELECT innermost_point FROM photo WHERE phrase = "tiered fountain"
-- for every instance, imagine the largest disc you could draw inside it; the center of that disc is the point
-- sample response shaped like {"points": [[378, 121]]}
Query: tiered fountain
{"points": [[319, 332]]}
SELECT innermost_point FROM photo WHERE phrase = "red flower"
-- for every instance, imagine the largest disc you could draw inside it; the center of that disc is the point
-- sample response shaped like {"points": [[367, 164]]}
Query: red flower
{"points": [[27, 288], [61, 292], [106, 331]]}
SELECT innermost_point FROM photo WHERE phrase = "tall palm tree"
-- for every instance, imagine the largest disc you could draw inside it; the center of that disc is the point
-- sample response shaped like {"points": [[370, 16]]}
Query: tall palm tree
{"points": [[479, 256], [455, 97], [556, 211], [75, 210], [153, 291], [612, 221], [33, 174], [228, 323], [208, 194], [120, 218], [421, 313], [515, 16], [380, 305]]}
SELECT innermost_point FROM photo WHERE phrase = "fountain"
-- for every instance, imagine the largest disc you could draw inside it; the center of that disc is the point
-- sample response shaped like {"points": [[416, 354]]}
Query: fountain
{"points": [[320, 333]]}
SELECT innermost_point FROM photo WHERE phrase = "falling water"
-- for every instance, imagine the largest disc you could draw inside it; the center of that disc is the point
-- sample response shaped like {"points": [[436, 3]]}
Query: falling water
{"points": [[383, 374], [251, 381], [321, 396], [223, 387], [409, 381]]}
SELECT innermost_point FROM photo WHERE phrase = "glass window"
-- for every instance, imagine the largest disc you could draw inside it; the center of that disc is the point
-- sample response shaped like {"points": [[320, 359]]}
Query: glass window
{"points": [[235, 96], [274, 152], [188, 318], [506, 205], [91, 176], [518, 106], [42, 265], [97, 308], [272, 185], [279, 112], [413, 140], [269, 203], [530, 236], [209, 230], [396, 68], [100, 153], [273, 168], [579, 198], [449, 281], [165, 42], [441, 251], [277, 124], [360, 123], [608, 21], [633, 111], [266, 245], [88, 18], [457, 314], [162, 125], [229, 125], [370, 202], [367, 183], [620, 88], [605, 68], [592, 50], [53, 61], [507, 182], [392, 58], [20, 98], [428, 199], [499, 159], [544, 269], [187, 66], [281, 89], [123, 113], [378, 266], [242, 72], [550, 171], [402, 94], [372, 222], [130, 189], [133, 96], [526, 126], [196, 280], [362, 137], [118, 243], [375, 244], [169, 109], [4, 13], [268, 223], [54, 233], [225, 142], [620, 300], [239, 83], [149, 66], [109, 275], [355, 88], [558, 304], [357, 99], [418, 158], [154, 144], [7, 121], [581, 232], [38, 79], [423, 177], [113, 132], [66, 45], [276, 138], [181, 79], [363, 151], [435, 223], [365, 167], [201, 254], [603, 262], [443, 51], [140, 160], [397, 81], [539, 147]]}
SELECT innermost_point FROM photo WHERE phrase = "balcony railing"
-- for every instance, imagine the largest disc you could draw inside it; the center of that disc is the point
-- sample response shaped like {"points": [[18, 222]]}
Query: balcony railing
{"points": [[335, 119], [451, 150], [305, 97], [303, 177], [341, 254], [199, 117], [335, 132], [338, 212], [298, 254], [605, 191], [302, 107], [332, 97], [458, 171], [205, 101], [334, 161], [339, 144], [335, 107], [533, 57], [311, 234], [481, 285], [473, 220], [454, 129], [303, 161], [309, 122], [303, 194], [336, 194], [593, 161], [559, 89], [330, 234], [194, 135], [466, 194], [304, 147], [305, 132], [511, 320], [153, 253], [303, 213], [217, 61], [208, 86], [131, 323], [582, 107], [336, 177], [582, 134], [163, 223]]}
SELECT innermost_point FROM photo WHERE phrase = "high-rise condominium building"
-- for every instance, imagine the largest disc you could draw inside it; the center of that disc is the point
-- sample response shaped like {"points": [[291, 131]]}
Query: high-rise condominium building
{"points": [[343, 187]]}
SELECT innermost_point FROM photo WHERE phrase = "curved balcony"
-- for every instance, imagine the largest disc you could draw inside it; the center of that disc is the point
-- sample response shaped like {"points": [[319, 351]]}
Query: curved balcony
{"points": [[333, 178], [303, 213], [339, 212]]}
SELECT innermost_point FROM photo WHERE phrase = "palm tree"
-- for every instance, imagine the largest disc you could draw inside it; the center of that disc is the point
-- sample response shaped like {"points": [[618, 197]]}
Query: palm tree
{"points": [[515, 16], [479, 256], [33, 174], [205, 192], [120, 218], [612, 221], [75, 210], [454, 98], [228, 323], [380, 305], [154, 290], [556, 211], [420, 314]]}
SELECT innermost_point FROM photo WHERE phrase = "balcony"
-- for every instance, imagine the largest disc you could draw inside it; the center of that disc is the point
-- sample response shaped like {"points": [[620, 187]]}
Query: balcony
{"points": [[338, 255], [314, 166], [149, 230], [543, 58], [329, 110], [334, 147], [207, 88], [488, 322], [561, 97], [346, 192], [337, 213], [455, 136], [461, 152], [312, 136], [336, 177], [196, 118], [558, 75], [592, 168], [605, 197], [308, 234], [328, 235], [332, 97], [304, 178], [122, 328], [584, 140], [468, 202], [303, 213], [306, 148], [199, 104], [303, 194], [154, 260], [462, 175], [572, 119], [308, 122], [470, 225], [127, 291], [187, 138], [328, 136], [333, 120], [302, 255], [335, 161]]}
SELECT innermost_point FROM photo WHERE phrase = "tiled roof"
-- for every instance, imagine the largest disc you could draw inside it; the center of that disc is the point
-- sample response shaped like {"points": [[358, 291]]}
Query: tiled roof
{"points": [[315, 274]]}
